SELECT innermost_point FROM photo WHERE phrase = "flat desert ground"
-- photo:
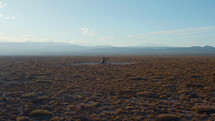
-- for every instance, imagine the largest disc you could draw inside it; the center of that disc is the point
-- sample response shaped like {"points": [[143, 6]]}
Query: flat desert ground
{"points": [[160, 88]]}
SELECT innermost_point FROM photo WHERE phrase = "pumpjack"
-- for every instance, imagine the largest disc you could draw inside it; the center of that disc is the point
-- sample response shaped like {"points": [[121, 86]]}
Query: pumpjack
{"points": [[105, 60]]}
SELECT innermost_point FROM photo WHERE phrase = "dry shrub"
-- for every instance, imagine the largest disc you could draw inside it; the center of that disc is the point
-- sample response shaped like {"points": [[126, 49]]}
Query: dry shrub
{"points": [[57, 119], [71, 107], [204, 109], [95, 117], [40, 112], [40, 99], [43, 81], [146, 94], [28, 95], [209, 88], [126, 92], [129, 107], [85, 106], [22, 118], [183, 91], [167, 117], [120, 111], [136, 118]]}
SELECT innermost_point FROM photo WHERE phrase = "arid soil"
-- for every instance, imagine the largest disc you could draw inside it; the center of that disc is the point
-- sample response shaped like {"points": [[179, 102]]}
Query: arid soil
{"points": [[153, 88]]}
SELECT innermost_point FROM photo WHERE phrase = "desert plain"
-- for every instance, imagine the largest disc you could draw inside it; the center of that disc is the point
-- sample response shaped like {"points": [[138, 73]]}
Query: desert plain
{"points": [[152, 88]]}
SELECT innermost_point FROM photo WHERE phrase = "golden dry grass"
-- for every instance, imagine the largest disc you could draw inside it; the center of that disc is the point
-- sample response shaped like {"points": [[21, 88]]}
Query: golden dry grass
{"points": [[178, 86], [40, 112]]}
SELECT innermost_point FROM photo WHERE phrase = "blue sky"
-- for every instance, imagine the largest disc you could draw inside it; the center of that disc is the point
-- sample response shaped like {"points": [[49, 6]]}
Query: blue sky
{"points": [[109, 22]]}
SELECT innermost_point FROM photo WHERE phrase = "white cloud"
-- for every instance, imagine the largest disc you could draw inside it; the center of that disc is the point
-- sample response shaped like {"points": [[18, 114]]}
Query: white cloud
{"points": [[4, 38], [21, 38], [187, 31], [2, 5], [86, 31], [7, 17], [107, 38], [28, 38], [27, 35], [13, 17]]}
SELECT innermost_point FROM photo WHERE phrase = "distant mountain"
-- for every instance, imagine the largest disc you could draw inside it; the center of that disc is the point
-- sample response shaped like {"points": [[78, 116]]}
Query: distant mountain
{"points": [[53, 48], [193, 49], [209, 47], [154, 51], [102, 46], [153, 45], [29, 48]]}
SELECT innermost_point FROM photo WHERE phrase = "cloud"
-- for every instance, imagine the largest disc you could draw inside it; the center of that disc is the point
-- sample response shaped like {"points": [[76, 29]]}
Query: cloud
{"points": [[22, 38], [187, 31], [86, 31], [27, 35], [7, 17], [2, 5], [107, 38], [28, 38], [4, 38]]}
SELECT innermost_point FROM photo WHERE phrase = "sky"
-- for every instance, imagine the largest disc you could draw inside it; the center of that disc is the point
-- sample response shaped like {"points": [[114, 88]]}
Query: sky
{"points": [[109, 22]]}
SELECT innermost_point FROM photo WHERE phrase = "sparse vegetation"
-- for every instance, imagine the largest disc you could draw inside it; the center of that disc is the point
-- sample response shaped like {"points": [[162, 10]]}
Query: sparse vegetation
{"points": [[47, 88], [22, 118], [204, 109], [57, 119], [43, 81], [28, 95], [167, 117], [40, 112], [40, 99]]}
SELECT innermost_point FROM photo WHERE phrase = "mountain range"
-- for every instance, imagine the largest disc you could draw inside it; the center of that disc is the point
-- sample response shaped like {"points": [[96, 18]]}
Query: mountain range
{"points": [[54, 48]]}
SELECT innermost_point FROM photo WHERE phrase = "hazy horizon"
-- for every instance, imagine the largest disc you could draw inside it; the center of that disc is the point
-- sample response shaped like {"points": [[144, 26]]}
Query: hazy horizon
{"points": [[102, 45], [115, 23], [56, 48]]}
